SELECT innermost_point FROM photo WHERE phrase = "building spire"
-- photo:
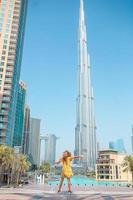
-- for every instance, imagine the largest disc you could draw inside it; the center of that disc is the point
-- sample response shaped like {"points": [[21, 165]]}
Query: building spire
{"points": [[82, 26], [81, 11]]}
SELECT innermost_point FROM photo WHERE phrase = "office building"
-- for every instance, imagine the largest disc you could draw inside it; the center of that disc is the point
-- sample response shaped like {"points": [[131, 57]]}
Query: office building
{"points": [[49, 148], [34, 141]]}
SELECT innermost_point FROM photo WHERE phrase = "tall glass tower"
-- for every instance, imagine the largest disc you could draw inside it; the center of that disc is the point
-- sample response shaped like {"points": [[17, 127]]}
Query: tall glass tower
{"points": [[26, 132], [19, 118], [85, 131], [12, 28]]}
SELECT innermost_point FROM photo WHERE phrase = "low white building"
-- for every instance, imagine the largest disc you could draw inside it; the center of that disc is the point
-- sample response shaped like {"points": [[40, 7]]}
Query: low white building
{"points": [[109, 166]]}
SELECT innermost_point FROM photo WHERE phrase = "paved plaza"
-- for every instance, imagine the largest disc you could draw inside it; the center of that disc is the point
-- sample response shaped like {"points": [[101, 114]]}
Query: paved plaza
{"points": [[45, 192]]}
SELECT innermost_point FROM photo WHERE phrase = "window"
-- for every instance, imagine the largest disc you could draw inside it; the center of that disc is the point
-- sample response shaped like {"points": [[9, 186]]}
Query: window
{"points": [[1, 69], [2, 63], [6, 35], [3, 52], [4, 46], [5, 41], [3, 58]]}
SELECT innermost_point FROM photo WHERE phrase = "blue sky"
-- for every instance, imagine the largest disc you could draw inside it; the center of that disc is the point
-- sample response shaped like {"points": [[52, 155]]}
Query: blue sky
{"points": [[50, 61]]}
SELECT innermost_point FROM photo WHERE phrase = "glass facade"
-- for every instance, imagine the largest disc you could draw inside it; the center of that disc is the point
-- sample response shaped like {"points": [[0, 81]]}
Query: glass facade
{"points": [[118, 145], [19, 117], [26, 133]]}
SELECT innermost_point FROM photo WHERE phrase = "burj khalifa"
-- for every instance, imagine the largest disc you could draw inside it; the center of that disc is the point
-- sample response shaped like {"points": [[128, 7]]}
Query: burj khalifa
{"points": [[85, 131]]}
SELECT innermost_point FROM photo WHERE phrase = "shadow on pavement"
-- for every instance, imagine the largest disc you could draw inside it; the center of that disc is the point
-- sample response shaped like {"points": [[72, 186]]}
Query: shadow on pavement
{"points": [[67, 197]]}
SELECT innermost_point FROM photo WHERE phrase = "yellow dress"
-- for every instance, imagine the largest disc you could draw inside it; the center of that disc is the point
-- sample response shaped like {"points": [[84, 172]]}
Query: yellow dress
{"points": [[66, 169]]}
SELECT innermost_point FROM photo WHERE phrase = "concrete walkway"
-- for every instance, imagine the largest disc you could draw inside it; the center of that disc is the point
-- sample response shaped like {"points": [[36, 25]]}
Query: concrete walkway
{"points": [[45, 192]]}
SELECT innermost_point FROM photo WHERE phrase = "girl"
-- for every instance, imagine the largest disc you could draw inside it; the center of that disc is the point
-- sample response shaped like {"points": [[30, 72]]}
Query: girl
{"points": [[66, 169]]}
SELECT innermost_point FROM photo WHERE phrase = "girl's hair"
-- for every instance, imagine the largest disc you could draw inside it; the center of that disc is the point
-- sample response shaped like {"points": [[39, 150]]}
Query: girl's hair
{"points": [[68, 155]]}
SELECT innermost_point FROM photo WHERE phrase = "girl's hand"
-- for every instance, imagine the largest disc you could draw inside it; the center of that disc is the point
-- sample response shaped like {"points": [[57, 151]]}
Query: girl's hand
{"points": [[81, 156], [58, 162]]}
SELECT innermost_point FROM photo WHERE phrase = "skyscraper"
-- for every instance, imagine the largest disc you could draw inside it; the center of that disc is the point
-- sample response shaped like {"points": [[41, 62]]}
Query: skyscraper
{"points": [[12, 28], [50, 148], [26, 132], [85, 131], [19, 116], [34, 141]]}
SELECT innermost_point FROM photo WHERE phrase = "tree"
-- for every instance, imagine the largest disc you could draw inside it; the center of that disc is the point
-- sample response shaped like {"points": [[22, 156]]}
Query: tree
{"points": [[12, 165], [22, 165], [45, 167], [6, 159], [128, 165]]}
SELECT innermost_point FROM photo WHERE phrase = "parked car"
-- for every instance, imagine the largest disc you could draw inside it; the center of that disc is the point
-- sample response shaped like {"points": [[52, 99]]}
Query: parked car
{"points": [[24, 179]]}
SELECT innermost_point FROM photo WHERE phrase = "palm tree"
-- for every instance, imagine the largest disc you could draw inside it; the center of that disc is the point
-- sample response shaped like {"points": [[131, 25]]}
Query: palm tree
{"points": [[45, 167], [6, 158], [128, 165], [22, 165], [1, 161], [12, 165]]}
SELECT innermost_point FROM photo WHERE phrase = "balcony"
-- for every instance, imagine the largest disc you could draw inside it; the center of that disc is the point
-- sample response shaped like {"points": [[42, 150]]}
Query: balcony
{"points": [[11, 58], [3, 113], [2, 136], [10, 63], [5, 99], [4, 119], [13, 45], [5, 106], [11, 52], [7, 87], [7, 93], [8, 80], [3, 127], [9, 69], [105, 161], [9, 75], [104, 171]]}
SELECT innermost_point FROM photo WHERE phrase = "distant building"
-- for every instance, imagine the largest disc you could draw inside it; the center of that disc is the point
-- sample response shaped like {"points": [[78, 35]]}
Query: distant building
{"points": [[19, 116], [118, 145], [109, 166], [34, 141], [98, 148], [50, 148], [26, 131]]}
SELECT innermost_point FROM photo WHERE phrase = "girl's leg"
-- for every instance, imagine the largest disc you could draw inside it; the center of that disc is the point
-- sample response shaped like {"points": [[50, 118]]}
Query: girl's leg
{"points": [[61, 183], [69, 184]]}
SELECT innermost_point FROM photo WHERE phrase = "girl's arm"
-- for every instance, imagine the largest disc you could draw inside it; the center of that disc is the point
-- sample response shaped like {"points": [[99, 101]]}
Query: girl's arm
{"points": [[58, 162], [75, 157]]}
